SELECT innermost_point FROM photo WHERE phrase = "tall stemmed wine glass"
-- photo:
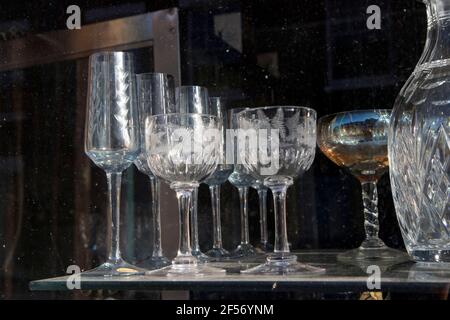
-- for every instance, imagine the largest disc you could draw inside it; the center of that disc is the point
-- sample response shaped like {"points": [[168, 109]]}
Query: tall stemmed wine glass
{"points": [[183, 149], [242, 180], [278, 145], [214, 181], [155, 96], [193, 99], [262, 190], [112, 140], [357, 140]]}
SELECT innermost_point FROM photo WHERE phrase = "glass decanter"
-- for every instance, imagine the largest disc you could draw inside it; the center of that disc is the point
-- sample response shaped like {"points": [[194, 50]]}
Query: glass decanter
{"points": [[419, 146]]}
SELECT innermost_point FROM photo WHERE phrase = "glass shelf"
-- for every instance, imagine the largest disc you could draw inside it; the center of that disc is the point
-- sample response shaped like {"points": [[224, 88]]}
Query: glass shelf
{"points": [[339, 277]]}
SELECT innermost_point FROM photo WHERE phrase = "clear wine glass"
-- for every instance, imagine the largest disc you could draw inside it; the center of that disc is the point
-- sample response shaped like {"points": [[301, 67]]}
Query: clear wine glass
{"points": [[262, 190], [278, 144], [357, 140], [242, 180], [183, 149], [112, 140], [155, 96], [193, 99], [214, 181]]}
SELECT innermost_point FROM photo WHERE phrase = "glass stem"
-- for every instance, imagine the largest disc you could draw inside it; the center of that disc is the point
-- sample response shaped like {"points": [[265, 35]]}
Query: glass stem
{"points": [[215, 203], [194, 220], [156, 213], [184, 255], [370, 202], [114, 187], [279, 199], [262, 194], [243, 199]]}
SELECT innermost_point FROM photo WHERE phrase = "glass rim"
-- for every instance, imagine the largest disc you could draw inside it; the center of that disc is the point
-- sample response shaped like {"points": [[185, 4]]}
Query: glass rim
{"points": [[289, 107], [193, 86], [352, 112], [110, 53], [202, 115], [153, 74], [238, 108]]}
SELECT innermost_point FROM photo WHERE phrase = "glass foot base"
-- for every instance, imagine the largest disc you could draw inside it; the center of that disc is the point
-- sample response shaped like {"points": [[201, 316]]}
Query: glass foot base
{"points": [[243, 250], [284, 265], [114, 268], [196, 270], [431, 256], [375, 250], [155, 262], [201, 257], [218, 254], [265, 247]]}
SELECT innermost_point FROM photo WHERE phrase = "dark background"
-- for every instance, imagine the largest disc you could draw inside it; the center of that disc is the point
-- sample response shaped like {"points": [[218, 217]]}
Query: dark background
{"points": [[317, 53]]}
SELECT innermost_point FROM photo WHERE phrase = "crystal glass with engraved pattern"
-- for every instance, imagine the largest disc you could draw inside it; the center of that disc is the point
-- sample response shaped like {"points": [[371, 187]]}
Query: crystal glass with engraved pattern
{"points": [[220, 176], [112, 140], [184, 149], [156, 95], [419, 146], [242, 180], [357, 140], [277, 144], [193, 99]]}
